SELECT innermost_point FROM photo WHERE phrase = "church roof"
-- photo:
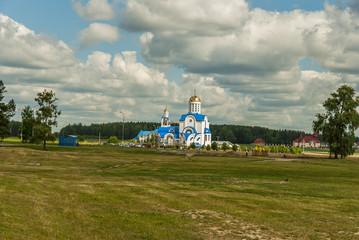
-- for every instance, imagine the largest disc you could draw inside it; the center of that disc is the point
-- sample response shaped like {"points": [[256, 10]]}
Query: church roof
{"points": [[206, 130], [194, 99], [162, 131], [193, 129], [186, 135], [189, 134], [198, 116], [143, 133]]}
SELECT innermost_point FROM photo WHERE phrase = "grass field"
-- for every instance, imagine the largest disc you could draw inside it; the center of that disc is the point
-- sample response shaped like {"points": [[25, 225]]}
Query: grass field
{"points": [[105, 192]]}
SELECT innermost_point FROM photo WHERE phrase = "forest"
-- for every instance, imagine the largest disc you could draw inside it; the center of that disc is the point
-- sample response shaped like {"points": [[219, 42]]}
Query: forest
{"points": [[221, 132]]}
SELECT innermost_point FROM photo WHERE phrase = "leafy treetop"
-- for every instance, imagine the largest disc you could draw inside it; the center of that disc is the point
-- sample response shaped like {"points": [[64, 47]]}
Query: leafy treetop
{"points": [[7, 110], [340, 121]]}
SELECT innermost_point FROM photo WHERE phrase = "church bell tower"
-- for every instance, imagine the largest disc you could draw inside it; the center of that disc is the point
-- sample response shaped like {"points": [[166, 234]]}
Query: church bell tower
{"points": [[166, 121], [194, 104]]}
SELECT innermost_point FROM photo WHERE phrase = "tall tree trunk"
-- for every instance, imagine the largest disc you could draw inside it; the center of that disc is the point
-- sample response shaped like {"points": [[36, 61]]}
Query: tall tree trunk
{"points": [[44, 145]]}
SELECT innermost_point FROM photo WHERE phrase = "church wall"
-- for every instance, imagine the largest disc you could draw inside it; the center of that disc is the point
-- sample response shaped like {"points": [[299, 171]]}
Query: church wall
{"points": [[199, 127], [181, 126], [190, 122]]}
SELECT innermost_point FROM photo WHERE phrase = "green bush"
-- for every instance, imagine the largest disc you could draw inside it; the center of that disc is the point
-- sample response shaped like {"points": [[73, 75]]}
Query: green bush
{"points": [[235, 147], [113, 139], [193, 145], [208, 147], [273, 149], [224, 146], [293, 150], [296, 150], [214, 146], [282, 149]]}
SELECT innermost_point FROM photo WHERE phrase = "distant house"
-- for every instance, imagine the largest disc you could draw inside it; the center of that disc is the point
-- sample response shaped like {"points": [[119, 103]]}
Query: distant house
{"points": [[69, 140], [144, 136], [307, 141], [259, 141], [220, 143]]}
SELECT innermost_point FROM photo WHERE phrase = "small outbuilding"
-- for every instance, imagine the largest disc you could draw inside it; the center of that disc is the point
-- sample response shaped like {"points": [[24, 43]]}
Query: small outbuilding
{"points": [[220, 143], [69, 140], [259, 141]]}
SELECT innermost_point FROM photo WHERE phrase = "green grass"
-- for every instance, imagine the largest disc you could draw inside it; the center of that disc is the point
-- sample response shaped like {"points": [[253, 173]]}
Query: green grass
{"points": [[105, 192], [12, 140]]}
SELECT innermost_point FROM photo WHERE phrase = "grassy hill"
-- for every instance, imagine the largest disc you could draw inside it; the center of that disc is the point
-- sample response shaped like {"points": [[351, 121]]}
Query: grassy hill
{"points": [[105, 192]]}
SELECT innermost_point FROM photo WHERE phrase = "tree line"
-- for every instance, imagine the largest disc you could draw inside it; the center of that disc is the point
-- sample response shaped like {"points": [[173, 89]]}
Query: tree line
{"points": [[337, 125], [221, 132]]}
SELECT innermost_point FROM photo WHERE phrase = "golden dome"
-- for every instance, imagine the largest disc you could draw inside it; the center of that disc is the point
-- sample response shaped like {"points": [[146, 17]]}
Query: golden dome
{"points": [[194, 99]]}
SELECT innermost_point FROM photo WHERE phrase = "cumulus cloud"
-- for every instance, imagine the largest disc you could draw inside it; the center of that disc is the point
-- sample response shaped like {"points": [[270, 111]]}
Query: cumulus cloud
{"points": [[21, 47], [203, 40], [94, 9], [335, 42], [187, 17], [253, 42], [243, 64], [98, 32], [253, 55]]}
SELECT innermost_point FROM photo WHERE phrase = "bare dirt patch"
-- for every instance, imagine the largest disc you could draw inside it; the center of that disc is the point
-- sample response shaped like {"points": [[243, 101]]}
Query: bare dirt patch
{"points": [[218, 225]]}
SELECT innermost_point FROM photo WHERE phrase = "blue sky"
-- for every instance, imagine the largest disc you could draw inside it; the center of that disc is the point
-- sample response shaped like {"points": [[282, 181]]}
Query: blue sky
{"points": [[257, 62], [282, 5]]}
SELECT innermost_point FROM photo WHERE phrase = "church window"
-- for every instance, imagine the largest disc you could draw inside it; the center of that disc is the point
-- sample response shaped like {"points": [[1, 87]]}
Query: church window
{"points": [[190, 120]]}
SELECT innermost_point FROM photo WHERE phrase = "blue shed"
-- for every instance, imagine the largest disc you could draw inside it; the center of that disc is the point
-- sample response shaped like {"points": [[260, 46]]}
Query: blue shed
{"points": [[69, 140]]}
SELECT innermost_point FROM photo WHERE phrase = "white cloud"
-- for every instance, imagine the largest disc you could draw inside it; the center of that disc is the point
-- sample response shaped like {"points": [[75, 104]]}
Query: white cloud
{"points": [[95, 9], [21, 47], [98, 32], [186, 17], [253, 56], [243, 64], [335, 44], [264, 42], [203, 40]]}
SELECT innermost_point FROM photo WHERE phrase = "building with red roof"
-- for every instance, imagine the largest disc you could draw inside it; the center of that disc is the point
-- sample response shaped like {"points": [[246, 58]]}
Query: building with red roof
{"points": [[307, 141], [259, 141]]}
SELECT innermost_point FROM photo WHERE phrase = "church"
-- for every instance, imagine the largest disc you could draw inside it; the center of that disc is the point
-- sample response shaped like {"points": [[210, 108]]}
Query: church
{"points": [[193, 128]]}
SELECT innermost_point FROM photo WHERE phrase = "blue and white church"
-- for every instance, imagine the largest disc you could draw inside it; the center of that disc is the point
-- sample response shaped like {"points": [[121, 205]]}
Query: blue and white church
{"points": [[193, 128]]}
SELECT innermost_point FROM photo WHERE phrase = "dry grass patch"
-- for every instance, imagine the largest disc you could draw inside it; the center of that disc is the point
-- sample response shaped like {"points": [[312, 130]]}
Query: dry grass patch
{"points": [[112, 193]]}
